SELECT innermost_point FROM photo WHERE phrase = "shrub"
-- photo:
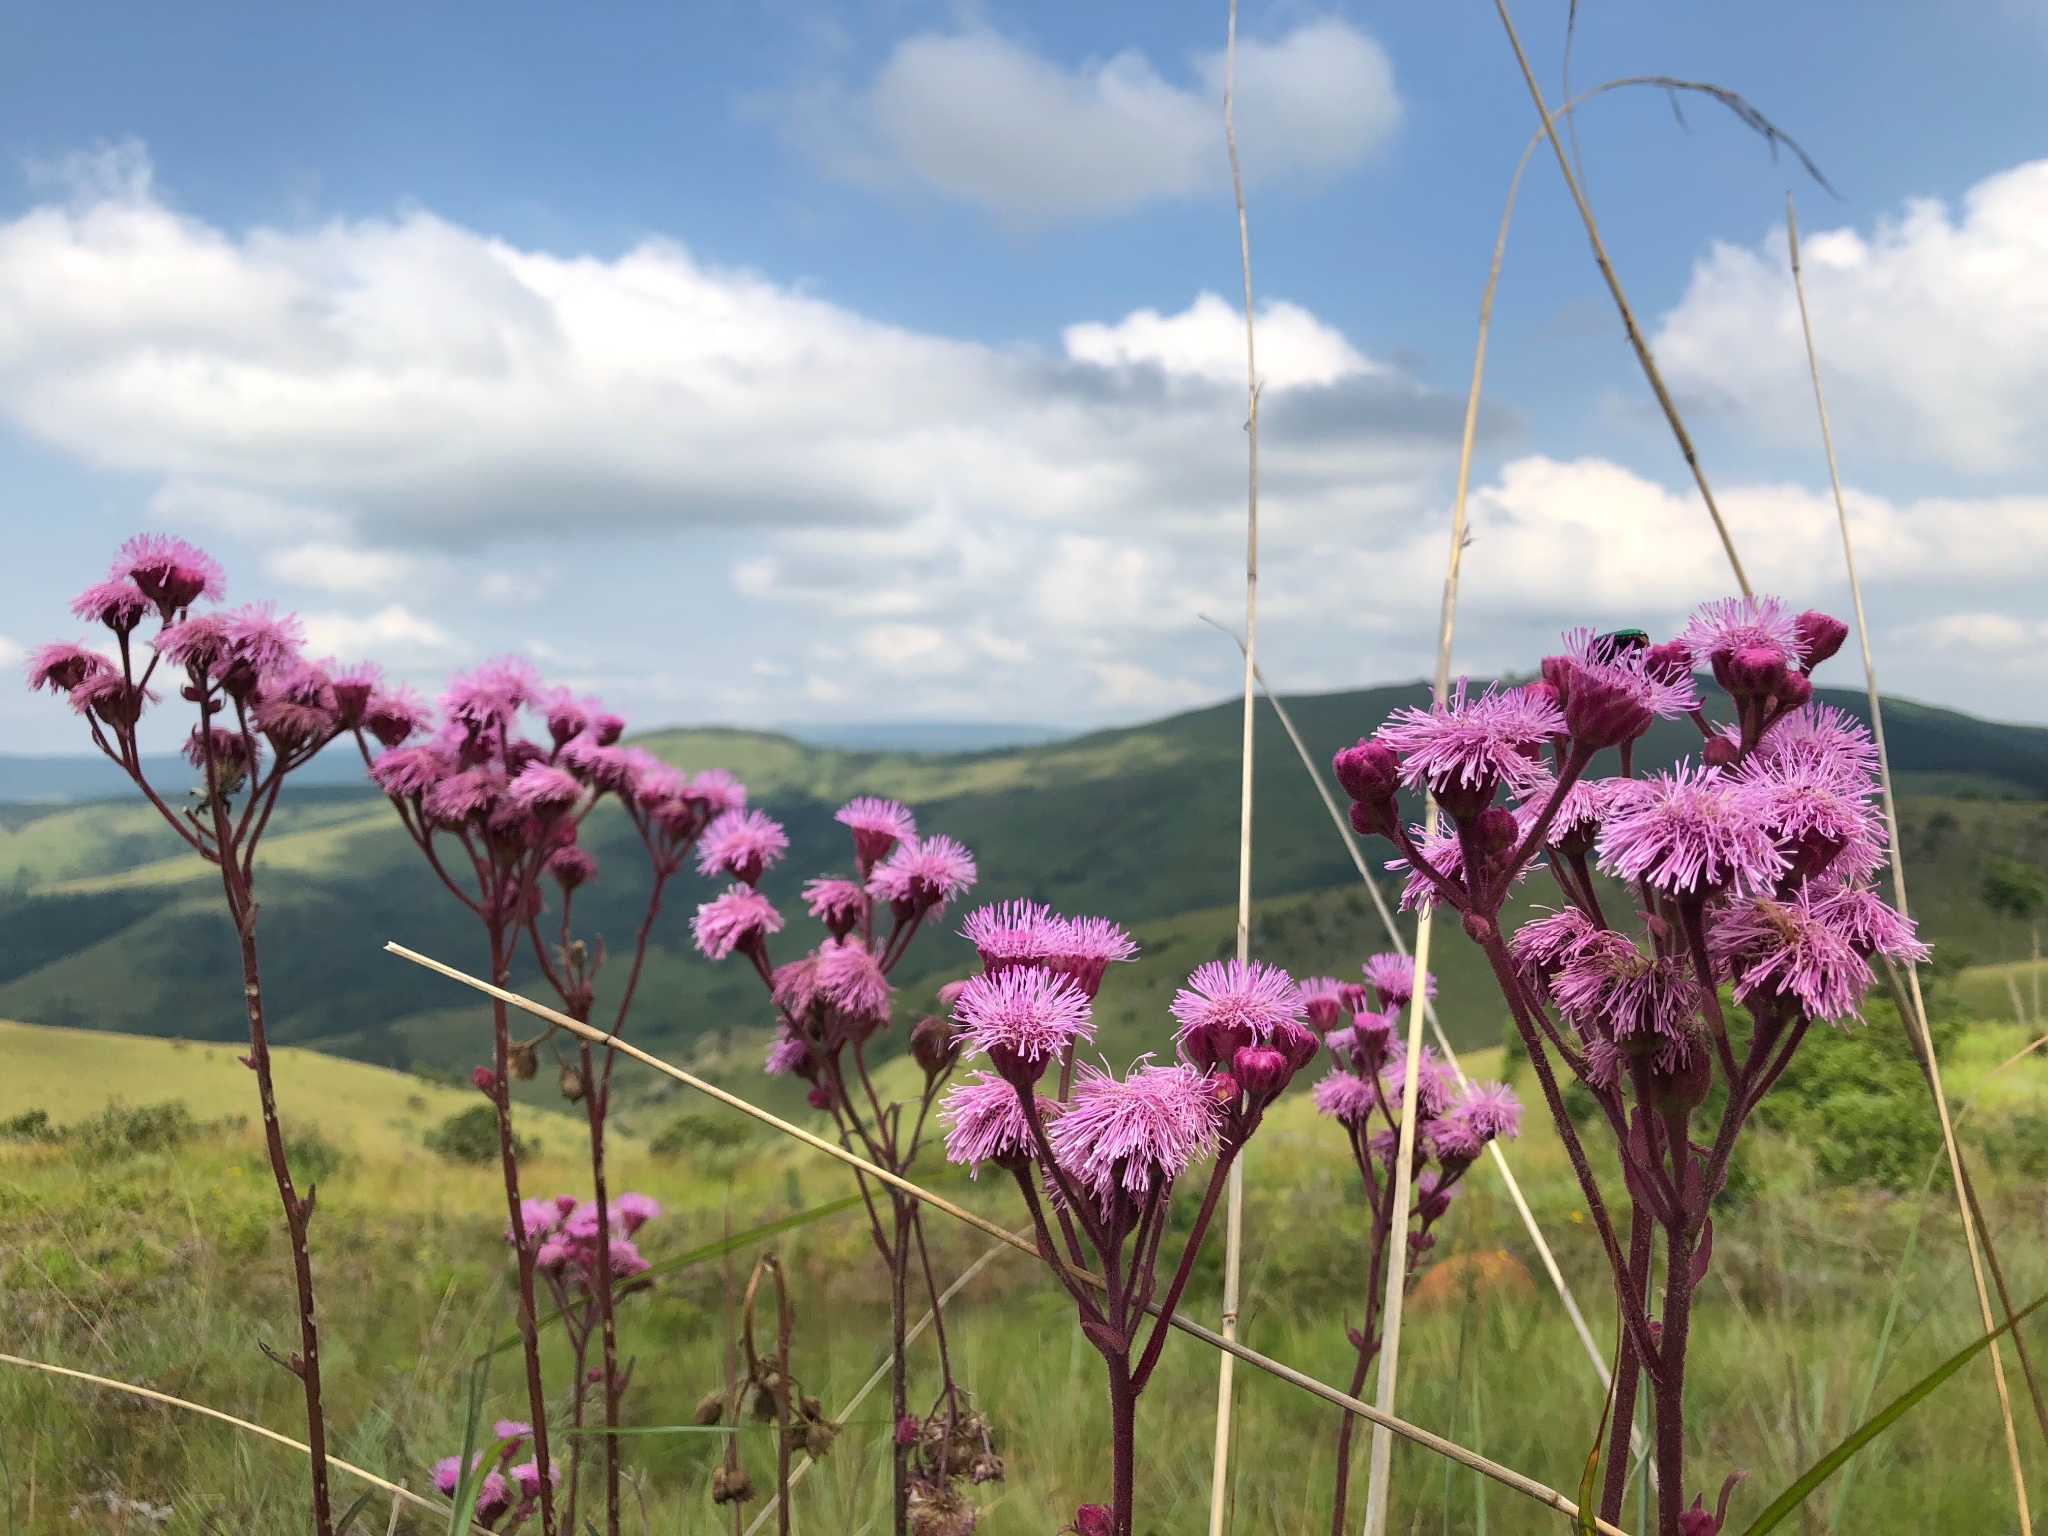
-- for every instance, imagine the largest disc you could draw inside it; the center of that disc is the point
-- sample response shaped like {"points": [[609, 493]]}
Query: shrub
{"points": [[471, 1136], [120, 1129], [29, 1125], [705, 1134]]}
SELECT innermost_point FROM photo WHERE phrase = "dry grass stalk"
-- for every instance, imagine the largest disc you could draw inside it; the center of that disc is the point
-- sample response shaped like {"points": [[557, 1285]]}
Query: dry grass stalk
{"points": [[1913, 1007], [1233, 1200], [1636, 338], [398, 1494], [1506, 1476]]}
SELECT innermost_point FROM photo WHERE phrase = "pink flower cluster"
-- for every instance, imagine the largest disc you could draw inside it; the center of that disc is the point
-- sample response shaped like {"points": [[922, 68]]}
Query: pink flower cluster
{"points": [[563, 1232], [505, 1495]]}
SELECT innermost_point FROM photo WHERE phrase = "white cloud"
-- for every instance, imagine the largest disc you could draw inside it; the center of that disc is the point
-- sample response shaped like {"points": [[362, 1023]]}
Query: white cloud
{"points": [[392, 632], [1207, 341], [340, 568], [10, 652], [1932, 331], [981, 117]]}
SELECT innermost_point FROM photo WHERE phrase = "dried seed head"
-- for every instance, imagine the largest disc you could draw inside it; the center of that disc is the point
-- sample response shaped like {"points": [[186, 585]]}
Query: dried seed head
{"points": [[988, 1468], [710, 1408], [937, 1509], [730, 1485], [573, 1086], [523, 1061], [819, 1434]]}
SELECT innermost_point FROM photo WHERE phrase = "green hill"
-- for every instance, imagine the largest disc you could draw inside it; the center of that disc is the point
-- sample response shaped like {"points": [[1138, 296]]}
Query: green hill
{"points": [[109, 926]]}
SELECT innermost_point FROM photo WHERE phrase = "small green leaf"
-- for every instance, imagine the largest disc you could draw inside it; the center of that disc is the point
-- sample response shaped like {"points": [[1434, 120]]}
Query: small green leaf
{"points": [[349, 1517], [1889, 1415]]}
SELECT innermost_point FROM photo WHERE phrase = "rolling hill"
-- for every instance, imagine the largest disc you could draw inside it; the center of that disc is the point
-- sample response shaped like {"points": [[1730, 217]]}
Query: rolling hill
{"points": [[109, 927]]}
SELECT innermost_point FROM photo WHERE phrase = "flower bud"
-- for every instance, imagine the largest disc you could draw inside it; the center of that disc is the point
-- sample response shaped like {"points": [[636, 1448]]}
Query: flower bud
{"points": [[1089, 1520], [1495, 829], [1794, 691], [1820, 636], [1669, 663], [1719, 752], [1557, 679], [1755, 671], [1600, 714], [1262, 1071], [934, 1046], [906, 1430], [1369, 772], [710, 1409], [486, 1081], [820, 1097]]}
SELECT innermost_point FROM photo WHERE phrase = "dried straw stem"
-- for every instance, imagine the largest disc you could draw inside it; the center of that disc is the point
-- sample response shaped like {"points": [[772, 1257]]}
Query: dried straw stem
{"points": [[1628, 318], [881, 1374], [168, 1401], [1233, 1204], [1915, 1014], [1506, 1476]]}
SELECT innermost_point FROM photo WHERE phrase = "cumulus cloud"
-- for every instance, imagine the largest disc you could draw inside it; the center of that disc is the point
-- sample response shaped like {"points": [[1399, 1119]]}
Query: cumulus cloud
{"points": [[393, 633], [981, 117], [1932, 330], [1206, 341]]}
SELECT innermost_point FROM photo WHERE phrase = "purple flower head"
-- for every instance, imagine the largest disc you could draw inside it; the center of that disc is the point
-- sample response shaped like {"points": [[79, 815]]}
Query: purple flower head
{"points": [[1869, 924], [1820, 818], [261, 641], [1688, 832], [1371, 1033], [1496, 828], [838, 904], [742, 845], [627, 1260], [849, 978], [1822, 739], [296, 707], [878, 826], [788, 1056], [109, 697], [406, 772], [510, 1435], [469, 796], [1229, 1004], [394, 715], [1790, 951], [354, 687], [1011, 933], [719, 791], [1371, 775], [1465, 749], [1492, 1109], [1820, 636], [1082, 948], [1611, 988], [543, 791], [1612, 693], [1392, 976], [230, 750], [487, 702], [922, 875], [526, 1477], [1322, 999], [1023, 1019], [1135, 1134], [611, 768], [61, 668], [1432, 1199], [571, 866], [567, 716], [1731, 624], [447, 1472], [1434, 1085], [1576, 826], [493, 1498], [169, 572], [1544, 945], [739, 918], [1453, 1139], [984, 1121], [116, 604], [1345, 1097], [197, 644], [635, 1211]]}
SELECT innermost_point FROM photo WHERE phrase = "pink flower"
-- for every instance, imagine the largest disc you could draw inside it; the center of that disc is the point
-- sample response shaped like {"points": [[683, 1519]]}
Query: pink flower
{"points": [[1082, 948], [1821, 819], [469, 796], [878, 826], [984, 1121], [1492, 1109], [447, 1472], [1392, 976], [1345, 1097], [1011, 933], [1721, 629], [922, 875], [1789, 950], [1823, 739], [1610, 987], [610, 768], [1464, 749], [635, 1211], [1547, 943], [393, 715], [1228, 1004], [1445, 853], [543, 791], [169, 572], [61, 668], [1135, 1134], [1611, 693], [738, 919], [261, 640], [788, 1056], [1689, 833], [567, 717], [488, 700], [571, 867], [838, 904], [197, 644], [1453, 1139], [741, 844], [1434, 1086], [527, 1478], [493, 1498], [1322, 999], [405, 772], [1578, 819], [1023, 1019], [111, 698], [116, 604], [230, 749], [627, 1260], [718, 791], [850, 979], [511, 1434], [1867, 922]]}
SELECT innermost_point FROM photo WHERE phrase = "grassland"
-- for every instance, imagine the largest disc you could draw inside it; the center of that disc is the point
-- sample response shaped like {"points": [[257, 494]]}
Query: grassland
{"points": [[163, 1267]]}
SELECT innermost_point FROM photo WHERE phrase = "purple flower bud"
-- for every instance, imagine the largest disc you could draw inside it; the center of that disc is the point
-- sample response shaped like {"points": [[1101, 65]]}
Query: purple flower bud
{"points": [[820, 1097], [1602, 711], [486, 1081], [934, 1046], [1820, 636], [1669, 663], [1755, 671], [1794, 692], [1369, 772], [906, 1430], [1495, 829], [1089, 1520], [1720, 752], [1261, 1071]]}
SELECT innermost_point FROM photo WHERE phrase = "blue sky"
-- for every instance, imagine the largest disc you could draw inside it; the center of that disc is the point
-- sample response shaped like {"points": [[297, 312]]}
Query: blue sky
{"points": [[792, 362]]}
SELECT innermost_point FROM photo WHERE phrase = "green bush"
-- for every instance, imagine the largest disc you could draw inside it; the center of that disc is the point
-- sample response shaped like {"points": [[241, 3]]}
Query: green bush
{"points": [[120, 1129], [29, 1125], [312, 1157], [1856, 1096], [471, 1136], [689, 1133]]}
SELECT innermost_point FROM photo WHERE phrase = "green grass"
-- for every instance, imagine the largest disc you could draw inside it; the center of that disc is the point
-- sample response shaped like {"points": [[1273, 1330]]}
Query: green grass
{"points": [[166, 1269]]}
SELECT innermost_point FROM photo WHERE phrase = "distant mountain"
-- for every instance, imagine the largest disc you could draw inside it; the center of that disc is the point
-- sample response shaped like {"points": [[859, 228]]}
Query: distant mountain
{"points": [[69, 780], [104, 924], [926, 735]]}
